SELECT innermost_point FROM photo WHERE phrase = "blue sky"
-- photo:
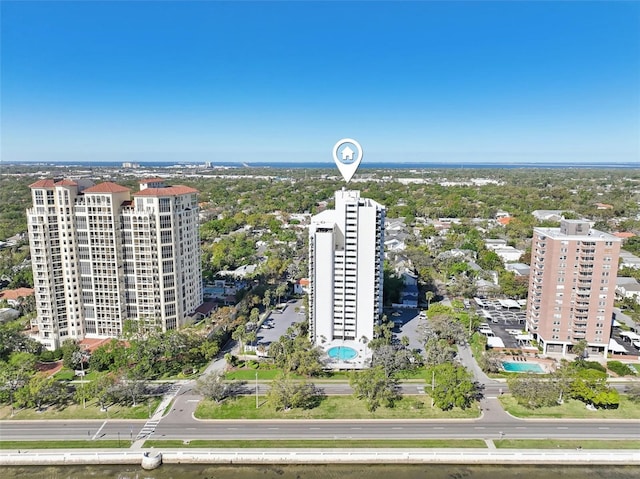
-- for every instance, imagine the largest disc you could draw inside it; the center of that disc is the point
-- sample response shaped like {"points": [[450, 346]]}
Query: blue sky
{"points": [[427, 81]]}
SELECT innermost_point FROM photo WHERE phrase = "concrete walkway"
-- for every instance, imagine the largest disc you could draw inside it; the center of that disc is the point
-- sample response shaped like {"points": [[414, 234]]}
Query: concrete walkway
{"points": [[328, 456]]}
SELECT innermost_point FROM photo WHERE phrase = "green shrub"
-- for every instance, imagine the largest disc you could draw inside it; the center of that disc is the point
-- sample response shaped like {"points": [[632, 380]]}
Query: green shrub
{"points": [[591, 365], [47, 356], [619, 368]]}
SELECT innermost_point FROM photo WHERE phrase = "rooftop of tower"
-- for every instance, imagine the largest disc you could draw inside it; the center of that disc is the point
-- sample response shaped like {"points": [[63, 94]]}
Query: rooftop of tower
{"points": [[107, 187], [166, 191]]}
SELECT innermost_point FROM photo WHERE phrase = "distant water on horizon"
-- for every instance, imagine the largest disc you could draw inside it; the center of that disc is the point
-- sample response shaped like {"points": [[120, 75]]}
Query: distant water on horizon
{"points": [[327, 165]]}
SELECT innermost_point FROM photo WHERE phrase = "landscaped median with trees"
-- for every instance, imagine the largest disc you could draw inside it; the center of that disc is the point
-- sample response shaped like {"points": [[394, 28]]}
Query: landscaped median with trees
{"points": [[329, 407]]}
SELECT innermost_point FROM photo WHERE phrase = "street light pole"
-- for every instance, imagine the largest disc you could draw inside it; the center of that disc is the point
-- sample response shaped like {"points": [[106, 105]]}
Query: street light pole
{"points": [[84, 399], [256, 389]]}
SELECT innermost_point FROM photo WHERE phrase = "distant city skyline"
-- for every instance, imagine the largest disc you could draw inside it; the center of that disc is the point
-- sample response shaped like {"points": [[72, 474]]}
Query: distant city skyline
{"points": [[446, 82]]}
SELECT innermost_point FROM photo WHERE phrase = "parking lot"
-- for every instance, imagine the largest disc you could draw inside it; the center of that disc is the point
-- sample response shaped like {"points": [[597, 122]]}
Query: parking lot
{"points": [[407, 323], [277, 323], [505, 323]]}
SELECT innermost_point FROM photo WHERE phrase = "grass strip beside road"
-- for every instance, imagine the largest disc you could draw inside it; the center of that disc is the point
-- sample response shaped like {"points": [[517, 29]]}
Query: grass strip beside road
{"points": [[331, 407], [76, 411], [320, 443], [572, 409], [566, 444], [26, 446]]}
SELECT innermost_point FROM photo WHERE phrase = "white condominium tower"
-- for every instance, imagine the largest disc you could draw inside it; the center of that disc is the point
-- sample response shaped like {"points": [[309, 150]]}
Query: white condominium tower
{"points": [[101, 256], [346, 251]]}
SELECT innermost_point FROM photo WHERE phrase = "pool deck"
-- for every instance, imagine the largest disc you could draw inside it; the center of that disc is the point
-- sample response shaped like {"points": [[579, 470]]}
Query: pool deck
{"points": [[361, 361]]}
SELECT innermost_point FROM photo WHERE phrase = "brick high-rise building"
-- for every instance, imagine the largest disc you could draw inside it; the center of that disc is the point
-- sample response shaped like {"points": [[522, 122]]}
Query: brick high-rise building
{"points": [[572, 286], [101, 256]]}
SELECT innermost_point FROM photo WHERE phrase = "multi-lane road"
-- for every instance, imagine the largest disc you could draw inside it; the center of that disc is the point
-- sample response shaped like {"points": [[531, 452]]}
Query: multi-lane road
{"points": [[305, 429], [180, 424]]}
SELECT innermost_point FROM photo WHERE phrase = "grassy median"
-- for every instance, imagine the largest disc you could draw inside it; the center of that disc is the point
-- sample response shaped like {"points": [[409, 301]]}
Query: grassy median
{"points": [[76, 411], [321, 444], [572, 409], [26, 446], [566, 444], [331, 407]]}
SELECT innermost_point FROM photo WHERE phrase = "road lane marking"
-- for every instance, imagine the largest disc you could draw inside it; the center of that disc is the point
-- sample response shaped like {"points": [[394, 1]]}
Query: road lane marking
{"points": [[397, 428], [562, 428], [478, 427], [98, 431], [438, 428], [356, 428], [603, 428]]}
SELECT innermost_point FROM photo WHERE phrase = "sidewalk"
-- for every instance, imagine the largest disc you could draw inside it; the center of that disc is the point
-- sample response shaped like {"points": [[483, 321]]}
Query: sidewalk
{"points": [[329, 456]]}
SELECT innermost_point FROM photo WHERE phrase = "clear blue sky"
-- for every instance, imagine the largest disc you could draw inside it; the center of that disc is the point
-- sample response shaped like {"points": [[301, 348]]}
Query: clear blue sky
{"points": [[256, 81]]}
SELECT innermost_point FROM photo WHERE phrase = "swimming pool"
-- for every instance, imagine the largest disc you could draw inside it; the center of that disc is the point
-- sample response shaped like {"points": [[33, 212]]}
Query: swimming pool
{"points": [[344, 353], [514, 367]]}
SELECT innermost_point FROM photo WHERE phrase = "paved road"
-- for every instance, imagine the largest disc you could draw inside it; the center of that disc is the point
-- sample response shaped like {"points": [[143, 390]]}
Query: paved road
{"points": [[292, 429], [180, 424]]}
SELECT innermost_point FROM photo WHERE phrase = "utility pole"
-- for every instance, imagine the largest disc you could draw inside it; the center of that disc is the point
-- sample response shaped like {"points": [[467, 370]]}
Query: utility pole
{"points": [[433, 385], [256, 389], [84, 399]]}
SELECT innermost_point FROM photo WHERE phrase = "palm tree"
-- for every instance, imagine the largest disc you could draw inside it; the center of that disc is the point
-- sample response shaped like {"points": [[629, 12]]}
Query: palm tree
{"points": [[429, 295]]}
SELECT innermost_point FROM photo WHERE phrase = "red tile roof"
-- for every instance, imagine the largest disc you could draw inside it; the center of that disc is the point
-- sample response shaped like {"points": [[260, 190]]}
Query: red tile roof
{"points": [[168, 191], [206, 307], [624, 234], [66, 182], [505, 220], [91, 344], [107, 187], [42, 184], [152, 180], [16, 293]]}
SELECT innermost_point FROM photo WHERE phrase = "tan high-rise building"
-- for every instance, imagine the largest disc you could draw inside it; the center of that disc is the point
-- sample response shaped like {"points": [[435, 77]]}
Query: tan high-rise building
{"points": [[572, 286], [101, 256]]}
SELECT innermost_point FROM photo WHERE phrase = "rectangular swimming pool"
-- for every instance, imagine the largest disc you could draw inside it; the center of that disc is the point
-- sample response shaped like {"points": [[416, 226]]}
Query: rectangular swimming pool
{"points": [[514, 367]]}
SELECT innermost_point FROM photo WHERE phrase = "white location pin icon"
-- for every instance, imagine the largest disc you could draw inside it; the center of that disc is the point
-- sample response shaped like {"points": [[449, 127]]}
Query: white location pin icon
{"points": [[346, 158]]}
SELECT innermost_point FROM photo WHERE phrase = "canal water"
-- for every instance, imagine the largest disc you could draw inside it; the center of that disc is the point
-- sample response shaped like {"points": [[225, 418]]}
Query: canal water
{"points": [[350, 471]]}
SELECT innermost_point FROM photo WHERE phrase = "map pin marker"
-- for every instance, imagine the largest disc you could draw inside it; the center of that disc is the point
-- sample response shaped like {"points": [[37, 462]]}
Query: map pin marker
{"points": [[346, 158]]}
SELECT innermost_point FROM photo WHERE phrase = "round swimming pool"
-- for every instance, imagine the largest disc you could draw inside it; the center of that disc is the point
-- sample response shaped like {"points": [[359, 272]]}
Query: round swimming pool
{"points": [[344, 353]]}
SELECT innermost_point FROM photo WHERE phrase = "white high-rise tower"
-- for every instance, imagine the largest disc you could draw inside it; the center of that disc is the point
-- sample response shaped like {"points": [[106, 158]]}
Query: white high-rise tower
{"points": [[346, 251]]}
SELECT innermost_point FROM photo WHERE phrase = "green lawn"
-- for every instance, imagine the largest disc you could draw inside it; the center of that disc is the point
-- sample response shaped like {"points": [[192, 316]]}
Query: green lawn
{"points": [[69, 375], [28, 445], [325, 444], [636, 366], [572, 409], [331, 407], [75, 411], [565, 444], [250, 374]]}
